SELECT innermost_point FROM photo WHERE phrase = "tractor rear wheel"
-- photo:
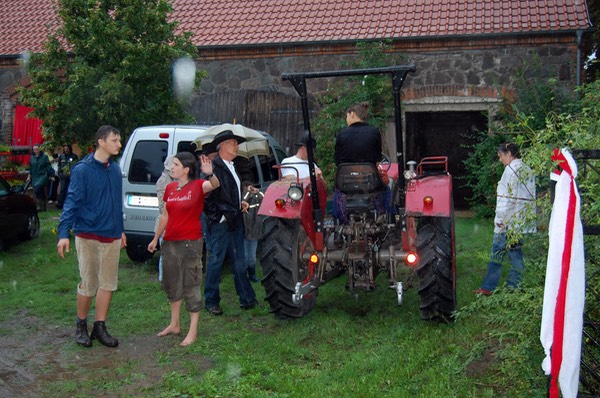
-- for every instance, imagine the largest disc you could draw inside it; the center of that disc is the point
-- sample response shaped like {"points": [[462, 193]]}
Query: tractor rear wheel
{"points": [[436, 270], [283, 243]]}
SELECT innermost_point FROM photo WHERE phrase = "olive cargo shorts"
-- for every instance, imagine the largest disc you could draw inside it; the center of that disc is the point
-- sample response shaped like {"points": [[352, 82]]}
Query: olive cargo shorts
{"points": [[182, 272]]}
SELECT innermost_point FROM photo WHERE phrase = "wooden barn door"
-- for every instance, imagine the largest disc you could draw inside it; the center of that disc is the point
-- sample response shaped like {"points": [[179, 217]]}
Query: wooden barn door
{"points": [[275, 113]]}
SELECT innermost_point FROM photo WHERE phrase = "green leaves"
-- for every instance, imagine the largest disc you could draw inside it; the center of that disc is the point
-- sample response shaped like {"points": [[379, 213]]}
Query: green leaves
{"points": [[109, 63], [346, 91]]}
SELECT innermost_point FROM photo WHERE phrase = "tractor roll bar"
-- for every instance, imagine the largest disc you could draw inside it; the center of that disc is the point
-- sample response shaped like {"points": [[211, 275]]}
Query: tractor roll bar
{"points": [[298, 80]]}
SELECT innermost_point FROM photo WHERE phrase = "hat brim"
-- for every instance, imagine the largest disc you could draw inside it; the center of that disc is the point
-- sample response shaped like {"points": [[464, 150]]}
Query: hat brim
{"points": [[227, 137]]}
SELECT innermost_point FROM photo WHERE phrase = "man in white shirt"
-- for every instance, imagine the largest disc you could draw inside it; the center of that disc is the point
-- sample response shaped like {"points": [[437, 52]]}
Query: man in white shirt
{"points": [[298, 164], [515, 214]]}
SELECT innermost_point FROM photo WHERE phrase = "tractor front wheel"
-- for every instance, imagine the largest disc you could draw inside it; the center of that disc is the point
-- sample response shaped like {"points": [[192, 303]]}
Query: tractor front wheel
{"points": [[283, 244], [436, 270]]}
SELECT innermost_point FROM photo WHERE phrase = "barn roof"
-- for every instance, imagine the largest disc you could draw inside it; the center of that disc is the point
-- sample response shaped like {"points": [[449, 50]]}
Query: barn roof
{"points": [[24, 24]]}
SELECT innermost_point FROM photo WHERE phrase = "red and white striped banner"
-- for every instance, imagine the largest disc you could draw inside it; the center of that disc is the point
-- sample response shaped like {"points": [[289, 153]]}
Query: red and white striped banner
{"points": [[564, 292]]}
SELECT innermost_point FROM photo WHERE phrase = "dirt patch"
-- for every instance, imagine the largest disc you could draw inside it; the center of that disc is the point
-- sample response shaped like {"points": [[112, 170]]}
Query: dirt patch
{"points": [[34, 355], [482, 365]]}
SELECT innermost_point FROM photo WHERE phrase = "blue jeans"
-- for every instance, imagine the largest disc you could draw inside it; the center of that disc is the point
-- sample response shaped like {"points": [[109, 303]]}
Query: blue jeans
{"points": [[250, 247], [382, 202], [515, 255], [231, 242]]}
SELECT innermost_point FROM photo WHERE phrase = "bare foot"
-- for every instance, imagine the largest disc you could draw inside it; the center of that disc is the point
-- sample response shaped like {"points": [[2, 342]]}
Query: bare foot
{"points": [[188, 340], [170, 330]]}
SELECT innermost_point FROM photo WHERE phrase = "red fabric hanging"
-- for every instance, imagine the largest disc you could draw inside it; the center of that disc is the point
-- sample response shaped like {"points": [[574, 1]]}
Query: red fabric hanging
{"points": [[26, 131]]}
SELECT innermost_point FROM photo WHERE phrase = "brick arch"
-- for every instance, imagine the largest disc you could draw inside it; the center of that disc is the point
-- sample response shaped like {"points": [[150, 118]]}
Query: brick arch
{"points": [[455, 90]]}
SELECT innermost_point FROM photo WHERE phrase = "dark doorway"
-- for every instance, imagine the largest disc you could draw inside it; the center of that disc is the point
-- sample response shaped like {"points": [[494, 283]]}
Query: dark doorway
{"points": [[445, 134]]}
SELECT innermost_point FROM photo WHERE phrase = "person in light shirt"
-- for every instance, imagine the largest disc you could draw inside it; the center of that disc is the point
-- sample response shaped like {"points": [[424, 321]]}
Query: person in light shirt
{"points": [[299, 162], [515, 211]]}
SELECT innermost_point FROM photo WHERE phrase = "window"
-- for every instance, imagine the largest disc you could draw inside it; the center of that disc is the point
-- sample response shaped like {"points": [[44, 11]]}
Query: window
{"points": [[186, 146], [147, 162], [266, 164]]}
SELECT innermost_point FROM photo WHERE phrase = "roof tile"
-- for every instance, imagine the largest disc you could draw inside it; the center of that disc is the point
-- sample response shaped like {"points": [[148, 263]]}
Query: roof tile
{"points": [[24, 24]]}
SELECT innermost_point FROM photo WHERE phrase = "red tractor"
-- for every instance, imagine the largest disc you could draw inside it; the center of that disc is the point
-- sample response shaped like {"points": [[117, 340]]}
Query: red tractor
{"points": [[302, 249]]}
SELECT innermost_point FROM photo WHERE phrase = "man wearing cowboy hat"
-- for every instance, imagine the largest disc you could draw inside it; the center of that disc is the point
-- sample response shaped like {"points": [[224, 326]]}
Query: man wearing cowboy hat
{"points": [[299, 162], [223, 213]]}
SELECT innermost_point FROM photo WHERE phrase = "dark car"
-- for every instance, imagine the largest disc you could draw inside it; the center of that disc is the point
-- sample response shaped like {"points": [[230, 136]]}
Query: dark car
{"points": [[18, 214]]}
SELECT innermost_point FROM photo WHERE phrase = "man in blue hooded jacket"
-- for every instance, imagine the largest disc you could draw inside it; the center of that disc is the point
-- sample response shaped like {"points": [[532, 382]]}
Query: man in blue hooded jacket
{"points": [[93, 210]]}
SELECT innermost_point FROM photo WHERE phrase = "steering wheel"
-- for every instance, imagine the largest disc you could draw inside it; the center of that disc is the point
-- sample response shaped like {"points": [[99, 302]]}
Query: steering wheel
{"points": [[385, 162]]}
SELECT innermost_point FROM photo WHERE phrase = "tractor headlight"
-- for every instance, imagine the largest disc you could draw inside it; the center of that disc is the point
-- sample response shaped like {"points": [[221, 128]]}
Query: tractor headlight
{"points": [[295, 191]]}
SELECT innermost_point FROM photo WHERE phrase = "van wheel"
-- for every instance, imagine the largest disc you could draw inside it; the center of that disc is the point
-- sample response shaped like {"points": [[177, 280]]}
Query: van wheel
{"points": [[137, 253]]}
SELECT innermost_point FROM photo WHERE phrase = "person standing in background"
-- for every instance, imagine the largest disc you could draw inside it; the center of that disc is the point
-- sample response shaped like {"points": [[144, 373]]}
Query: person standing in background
{"points": [[299, 162], [161, 184], [93, 209], [66, 160], [515, 214], [53, 182], [252, 227], [40, 171]]}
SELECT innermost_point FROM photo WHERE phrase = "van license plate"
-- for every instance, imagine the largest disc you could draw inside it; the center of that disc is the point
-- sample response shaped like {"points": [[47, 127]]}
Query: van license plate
{"points": [[142, 201]]}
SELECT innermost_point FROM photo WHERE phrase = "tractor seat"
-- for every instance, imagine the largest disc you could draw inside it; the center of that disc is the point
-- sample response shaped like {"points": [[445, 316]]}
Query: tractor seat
{"points": [[358, 179]]}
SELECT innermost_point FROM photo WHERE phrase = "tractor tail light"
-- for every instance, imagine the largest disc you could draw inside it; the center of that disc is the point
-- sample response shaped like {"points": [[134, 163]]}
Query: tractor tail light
{"points": [[411, 258], [279, 203], [428, 202], [314, 258]]}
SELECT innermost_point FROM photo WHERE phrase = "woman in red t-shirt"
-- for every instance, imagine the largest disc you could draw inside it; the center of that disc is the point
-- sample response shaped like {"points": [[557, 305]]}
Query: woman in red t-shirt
{"points": [[182, 240]]}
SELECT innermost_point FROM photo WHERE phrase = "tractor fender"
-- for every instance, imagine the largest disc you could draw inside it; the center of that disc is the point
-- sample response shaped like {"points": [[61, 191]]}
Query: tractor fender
{"points": [[302, 209], [438, 187]]}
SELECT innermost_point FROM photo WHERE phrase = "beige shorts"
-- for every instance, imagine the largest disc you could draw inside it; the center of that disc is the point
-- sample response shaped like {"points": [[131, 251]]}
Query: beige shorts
{"points": [[98, 265]]}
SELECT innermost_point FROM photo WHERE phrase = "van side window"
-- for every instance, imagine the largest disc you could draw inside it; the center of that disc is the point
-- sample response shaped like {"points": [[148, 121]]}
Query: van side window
{"points": [[186, 146], [147, 162]]}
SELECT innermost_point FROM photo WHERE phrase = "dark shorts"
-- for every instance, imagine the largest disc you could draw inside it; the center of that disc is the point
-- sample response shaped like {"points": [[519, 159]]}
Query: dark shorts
{"points": [[182, 272]]}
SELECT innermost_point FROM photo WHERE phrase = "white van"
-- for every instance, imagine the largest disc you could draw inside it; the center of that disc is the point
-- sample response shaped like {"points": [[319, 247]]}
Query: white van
{"points": [[142, 163]]}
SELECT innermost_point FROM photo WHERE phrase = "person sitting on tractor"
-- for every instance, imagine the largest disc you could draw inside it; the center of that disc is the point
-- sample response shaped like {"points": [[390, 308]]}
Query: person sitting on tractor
{"points": [[358, 143], [299, 162]]}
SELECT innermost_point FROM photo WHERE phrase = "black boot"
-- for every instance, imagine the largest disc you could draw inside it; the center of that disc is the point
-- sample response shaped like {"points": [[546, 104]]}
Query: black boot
{"points": [[82, 336], [99, 332], [252, 275]]}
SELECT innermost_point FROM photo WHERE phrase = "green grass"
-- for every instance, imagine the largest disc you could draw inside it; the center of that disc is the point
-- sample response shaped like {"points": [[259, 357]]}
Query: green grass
{"points": [[351, 345]]}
